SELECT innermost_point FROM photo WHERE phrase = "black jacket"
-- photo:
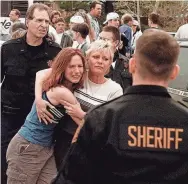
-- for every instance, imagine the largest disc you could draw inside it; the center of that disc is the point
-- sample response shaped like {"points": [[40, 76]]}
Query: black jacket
{"points": [[138, 138], [19, 70], [120, 73]]}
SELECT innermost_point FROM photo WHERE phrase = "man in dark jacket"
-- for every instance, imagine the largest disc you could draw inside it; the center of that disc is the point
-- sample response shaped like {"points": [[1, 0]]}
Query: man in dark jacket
{"points": [[21, 59], [140, 137]]}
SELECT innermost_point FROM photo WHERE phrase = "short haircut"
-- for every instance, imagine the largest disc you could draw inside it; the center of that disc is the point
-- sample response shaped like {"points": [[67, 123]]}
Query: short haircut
{"points": [[154, 17], [114, 30], [60, 19], [40, 7], [17, 12], [53, 13], [82, 28], [126, 18], [94, 3], [156, 54], [102, 46]]}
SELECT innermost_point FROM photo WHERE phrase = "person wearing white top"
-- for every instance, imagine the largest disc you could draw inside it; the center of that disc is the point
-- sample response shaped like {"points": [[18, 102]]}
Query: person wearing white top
{"points": [[183, 30], [97, 89], [63, 39], [136, 34], [80, 32]]}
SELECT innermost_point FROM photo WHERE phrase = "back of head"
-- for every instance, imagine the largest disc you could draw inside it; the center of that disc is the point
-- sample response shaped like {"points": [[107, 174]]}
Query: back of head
{"points": [[156, 54], [126, 18], [154, 18], [18, 25], [82, 28]]}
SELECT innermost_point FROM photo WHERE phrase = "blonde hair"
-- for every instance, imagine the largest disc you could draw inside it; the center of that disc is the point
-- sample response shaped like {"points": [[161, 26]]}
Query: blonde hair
{"points": [[100, 45]]}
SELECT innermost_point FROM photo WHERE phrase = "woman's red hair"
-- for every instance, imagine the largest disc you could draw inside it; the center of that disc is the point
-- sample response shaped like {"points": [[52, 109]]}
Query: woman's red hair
{"points": [[59, 66]]}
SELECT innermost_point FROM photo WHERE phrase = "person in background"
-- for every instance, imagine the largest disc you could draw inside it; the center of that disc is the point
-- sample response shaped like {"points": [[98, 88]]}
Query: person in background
{"points": [[18, 30], [63, 39], [182, 31], [154, 20], [94, 14], [97, 89], [14, 15], [80, 32], [112, 19], [119, 71], [126, 30], [136, 34], [76, 19], [54, 16], [90, 37], [140, 137], [14, 18], [35, 138], [20, 60]]}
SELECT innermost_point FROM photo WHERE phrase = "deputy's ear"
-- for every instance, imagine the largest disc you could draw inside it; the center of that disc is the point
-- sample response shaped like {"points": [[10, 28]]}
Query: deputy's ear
{"points": [[132, 65], [175, 72]]}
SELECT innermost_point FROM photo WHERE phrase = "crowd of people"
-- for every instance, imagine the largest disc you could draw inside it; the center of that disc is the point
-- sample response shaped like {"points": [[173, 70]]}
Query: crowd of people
{"points": [[89, 105]]}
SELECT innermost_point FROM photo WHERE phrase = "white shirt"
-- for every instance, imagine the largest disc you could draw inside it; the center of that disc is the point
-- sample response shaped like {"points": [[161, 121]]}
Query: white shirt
{"points": [[95, 94], [53, 32], [182, 31], [58, 38]]}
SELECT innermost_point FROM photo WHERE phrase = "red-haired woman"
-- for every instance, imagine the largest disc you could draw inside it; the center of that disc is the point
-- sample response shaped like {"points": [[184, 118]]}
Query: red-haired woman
{"points": [[30, 153]]}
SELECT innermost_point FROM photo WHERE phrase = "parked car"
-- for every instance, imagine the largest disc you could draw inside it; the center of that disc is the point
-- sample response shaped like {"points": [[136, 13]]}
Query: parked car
{"points": [[172, 33], [179, 87]]}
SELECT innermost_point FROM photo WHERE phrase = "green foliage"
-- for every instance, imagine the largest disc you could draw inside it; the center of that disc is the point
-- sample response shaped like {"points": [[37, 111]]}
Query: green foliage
{"points": [[74, 5]]}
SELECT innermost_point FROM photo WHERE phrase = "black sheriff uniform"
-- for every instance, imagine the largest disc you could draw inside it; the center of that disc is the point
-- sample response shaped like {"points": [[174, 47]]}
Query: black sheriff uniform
{"points": [[138, 138]]}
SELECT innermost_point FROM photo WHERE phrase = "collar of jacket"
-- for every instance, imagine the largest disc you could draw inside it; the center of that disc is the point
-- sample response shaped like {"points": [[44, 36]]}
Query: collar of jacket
{"points": [[148, 90], [23, 48]]}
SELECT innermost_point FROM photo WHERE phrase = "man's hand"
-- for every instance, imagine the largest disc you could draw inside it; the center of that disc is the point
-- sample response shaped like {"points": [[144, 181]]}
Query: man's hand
{"points": [[42, 112]]}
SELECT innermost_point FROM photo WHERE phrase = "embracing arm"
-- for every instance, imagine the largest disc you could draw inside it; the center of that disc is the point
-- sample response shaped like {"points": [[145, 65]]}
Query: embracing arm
{"points": [[40, 103]]}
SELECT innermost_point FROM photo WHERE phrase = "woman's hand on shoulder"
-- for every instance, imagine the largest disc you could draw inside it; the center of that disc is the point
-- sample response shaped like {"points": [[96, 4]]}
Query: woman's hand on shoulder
{"points": [[42, 112], [74, 110]]}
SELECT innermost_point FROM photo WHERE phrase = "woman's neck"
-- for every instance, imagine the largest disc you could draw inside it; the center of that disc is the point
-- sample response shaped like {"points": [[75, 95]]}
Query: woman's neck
{"points": [[98, 79]]}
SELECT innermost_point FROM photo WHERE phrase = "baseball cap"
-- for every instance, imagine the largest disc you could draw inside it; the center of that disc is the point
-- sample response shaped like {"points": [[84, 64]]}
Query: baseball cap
{"points": [[111, 16], [77, 19], [135, 23]]}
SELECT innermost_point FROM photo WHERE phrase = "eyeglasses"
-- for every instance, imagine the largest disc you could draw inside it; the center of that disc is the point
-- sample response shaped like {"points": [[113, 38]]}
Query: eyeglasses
{"points": [[105, 39]]}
